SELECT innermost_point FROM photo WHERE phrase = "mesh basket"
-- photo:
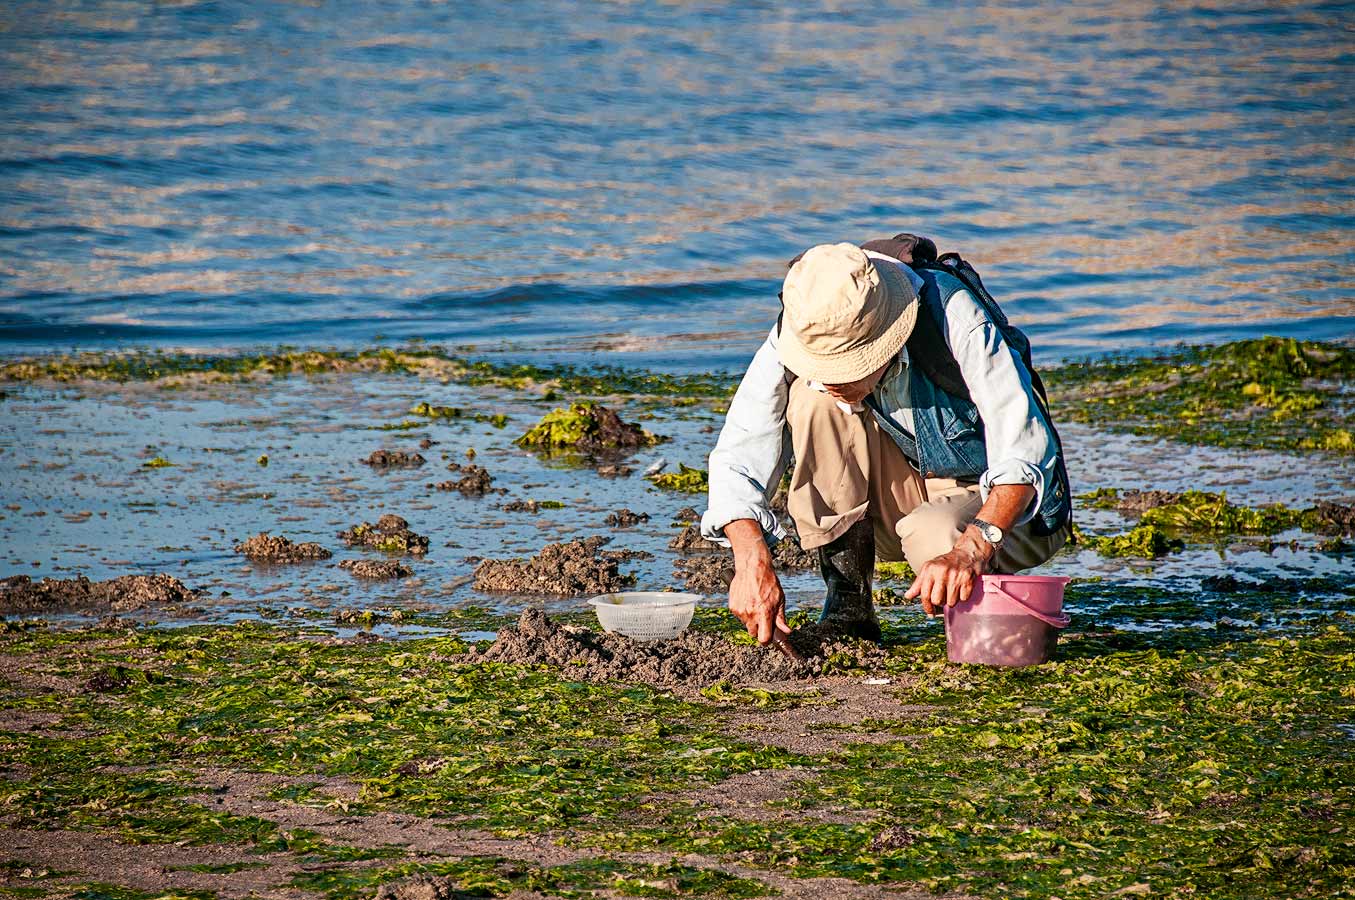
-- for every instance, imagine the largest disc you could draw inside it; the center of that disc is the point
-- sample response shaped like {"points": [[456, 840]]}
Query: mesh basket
{"points": [[645, 615]]}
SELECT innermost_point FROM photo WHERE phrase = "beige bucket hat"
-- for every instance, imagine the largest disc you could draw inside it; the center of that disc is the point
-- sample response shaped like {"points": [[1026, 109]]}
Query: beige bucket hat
{"points": [[845, 315]]}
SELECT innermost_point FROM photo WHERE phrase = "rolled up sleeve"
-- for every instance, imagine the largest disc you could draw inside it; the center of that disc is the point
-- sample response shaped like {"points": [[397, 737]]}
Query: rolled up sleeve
{"points": [[751, 453], [1020, 445]]}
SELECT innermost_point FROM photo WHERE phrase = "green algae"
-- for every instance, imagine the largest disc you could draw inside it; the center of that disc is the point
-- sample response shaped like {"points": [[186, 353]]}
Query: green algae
{"points": [[429, 411], [1206, 512], [157, 462], [1269, 393], [425, 361], [686, 480], [1147, 541], [585, 425], [894, 571], [1201, 762]]}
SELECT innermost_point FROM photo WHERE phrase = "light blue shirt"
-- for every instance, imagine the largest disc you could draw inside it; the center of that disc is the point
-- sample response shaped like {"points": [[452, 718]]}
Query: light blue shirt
{"points": [[751, 455]]}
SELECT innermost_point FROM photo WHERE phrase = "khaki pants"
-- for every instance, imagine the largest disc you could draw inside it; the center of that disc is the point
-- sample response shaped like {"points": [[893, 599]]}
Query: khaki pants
{"points": [[847, 468]]}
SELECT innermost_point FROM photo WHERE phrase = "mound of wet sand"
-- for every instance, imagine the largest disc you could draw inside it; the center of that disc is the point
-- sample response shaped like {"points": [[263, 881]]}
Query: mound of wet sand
{"points": [[614, 470], [377, 570], [694, 660], [390, 534], [624, 518], [20, 594], [687, 514], [475, 480], [568, 569], [276, 549]]}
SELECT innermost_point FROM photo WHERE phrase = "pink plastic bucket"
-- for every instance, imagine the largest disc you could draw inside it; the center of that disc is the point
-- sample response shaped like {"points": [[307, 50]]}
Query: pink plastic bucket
{"points": [[1008, 620]]}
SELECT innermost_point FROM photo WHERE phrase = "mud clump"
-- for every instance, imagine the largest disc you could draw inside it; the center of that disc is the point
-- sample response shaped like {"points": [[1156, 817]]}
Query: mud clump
{"points": [[1142, 501], [687, 514], [390, 534], [712, 569], [531, 506], [624, 518], [694, 660], [568, 569], [20, 594], [377, 570], [1335, 518], [708, 575], [690, 538], [394, 459], [586, 427], [788, 554], [475, 480], [276, 550]]}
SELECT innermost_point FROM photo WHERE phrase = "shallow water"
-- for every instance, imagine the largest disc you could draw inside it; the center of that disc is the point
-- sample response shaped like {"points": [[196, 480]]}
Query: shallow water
{"points": [[78, 500], [628, 178]]}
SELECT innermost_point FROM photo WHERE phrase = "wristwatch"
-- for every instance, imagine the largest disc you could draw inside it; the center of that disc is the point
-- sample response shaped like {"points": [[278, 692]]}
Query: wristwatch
{"points": [[990, 532]]}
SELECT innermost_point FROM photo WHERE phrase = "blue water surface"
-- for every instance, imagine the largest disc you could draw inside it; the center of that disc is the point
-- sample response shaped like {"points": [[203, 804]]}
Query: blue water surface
{"points": [[624, 181]]}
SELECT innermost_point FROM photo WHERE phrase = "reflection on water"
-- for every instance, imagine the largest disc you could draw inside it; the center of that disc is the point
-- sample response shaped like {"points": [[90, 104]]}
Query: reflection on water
{"points": [[1125, 173]]}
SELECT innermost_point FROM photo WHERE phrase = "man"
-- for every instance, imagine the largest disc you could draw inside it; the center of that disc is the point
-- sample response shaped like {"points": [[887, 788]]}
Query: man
{"points": [[887, 462]]}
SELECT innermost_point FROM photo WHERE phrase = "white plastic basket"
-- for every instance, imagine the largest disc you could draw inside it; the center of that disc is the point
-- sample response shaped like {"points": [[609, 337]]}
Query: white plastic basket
{"points": [[645, 615]]}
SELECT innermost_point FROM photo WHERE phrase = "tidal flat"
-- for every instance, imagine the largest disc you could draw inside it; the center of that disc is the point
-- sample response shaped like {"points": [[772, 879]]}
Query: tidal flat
{"points": [[291, 730]]}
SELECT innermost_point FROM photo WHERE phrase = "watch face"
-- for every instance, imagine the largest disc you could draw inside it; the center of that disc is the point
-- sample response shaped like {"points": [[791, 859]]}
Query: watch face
{"points": [[991, 533]]}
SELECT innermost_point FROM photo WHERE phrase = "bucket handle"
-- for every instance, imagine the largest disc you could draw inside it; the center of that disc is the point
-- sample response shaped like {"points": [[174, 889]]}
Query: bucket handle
{"points": [[1060, 621]]}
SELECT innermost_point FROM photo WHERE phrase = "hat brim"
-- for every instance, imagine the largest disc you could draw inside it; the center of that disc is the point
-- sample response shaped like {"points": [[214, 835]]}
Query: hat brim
{"points": [[860, 361]]}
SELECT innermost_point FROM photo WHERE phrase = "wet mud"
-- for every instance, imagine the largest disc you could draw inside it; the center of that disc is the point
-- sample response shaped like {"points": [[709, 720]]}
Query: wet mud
{"points": [[694, 660], [712, 569], [625, 518], [687, 514], [390, 534], [569, 569], [276, 550], [614, 470], [20, 594], [475, 481], [394, 459], [1142, 501], [690, 538], [377, 570]]}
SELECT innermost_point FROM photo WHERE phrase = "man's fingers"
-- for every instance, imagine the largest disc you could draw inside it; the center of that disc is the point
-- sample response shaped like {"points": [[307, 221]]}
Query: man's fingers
{"points": [[937, 591], [913, 589], [765, 629], [781, 623]]}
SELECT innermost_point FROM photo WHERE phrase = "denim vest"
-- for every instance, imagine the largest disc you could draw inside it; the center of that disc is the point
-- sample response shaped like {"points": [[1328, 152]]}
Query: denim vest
{"points": [[948, 439]]}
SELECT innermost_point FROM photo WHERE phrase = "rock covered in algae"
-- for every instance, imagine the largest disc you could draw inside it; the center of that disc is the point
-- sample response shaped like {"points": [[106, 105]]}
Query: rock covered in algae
{"points": [[276, 549], [588, 427], [390, 534], [394, 459], [696, 659], [569, 569], [20, 594], [377, 570]]}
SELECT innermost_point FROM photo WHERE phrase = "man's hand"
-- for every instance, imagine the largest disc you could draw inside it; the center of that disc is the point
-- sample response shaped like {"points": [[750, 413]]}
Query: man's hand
{"points": [[755, 595], [948, 579]]}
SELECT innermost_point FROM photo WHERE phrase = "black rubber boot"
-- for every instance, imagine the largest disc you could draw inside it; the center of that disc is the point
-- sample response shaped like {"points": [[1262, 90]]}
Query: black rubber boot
{"points": [[848, 566]]}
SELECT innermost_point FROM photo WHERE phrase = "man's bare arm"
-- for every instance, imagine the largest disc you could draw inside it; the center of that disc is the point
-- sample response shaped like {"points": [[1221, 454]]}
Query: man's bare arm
{"points": [[755, 595], [949, 578]]}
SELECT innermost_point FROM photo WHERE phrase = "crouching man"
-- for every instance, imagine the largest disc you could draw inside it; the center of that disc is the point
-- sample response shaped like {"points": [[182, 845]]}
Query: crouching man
{"points": [[959, 476]]}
